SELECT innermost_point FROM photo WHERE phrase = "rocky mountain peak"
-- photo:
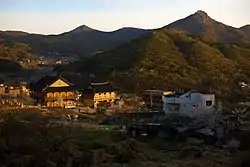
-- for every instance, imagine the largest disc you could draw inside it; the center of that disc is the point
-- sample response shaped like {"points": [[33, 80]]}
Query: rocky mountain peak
{"points": [[202, 16], [83, 28]]}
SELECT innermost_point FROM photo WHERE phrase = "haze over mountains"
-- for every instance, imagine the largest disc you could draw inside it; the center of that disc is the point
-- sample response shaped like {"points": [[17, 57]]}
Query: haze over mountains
{"points": [[85, 41]]}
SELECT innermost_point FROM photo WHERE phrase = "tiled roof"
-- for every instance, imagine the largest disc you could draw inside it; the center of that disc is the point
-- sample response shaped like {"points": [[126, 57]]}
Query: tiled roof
{"points": [[60, 89], [175, 94], [78, 82], [178, 94], [13, 84], [43, 82], [102, 87]]}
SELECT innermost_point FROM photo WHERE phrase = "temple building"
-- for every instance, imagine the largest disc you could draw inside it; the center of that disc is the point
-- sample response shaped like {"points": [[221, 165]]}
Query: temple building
{"points": [[54, 91], [104, 93], [68, 91]]}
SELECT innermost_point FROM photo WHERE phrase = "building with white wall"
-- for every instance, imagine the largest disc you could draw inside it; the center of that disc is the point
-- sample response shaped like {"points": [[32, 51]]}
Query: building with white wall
{"points": [[188, 102]]}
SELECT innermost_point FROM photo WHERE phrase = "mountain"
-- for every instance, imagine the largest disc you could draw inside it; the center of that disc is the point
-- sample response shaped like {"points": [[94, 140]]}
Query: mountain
{"points": [[85, 41], [82, 41], [246, 29], [13, 33], [171, 60], [82, 28], [200, 23]]}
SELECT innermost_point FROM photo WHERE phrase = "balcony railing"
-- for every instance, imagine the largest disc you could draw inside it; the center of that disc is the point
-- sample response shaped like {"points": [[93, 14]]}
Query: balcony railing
{"points": [[62, 97], [103, 98]]}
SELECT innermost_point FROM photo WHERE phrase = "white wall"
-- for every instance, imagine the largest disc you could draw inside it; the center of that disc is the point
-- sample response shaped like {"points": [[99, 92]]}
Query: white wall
{"points": [[188, 102]]}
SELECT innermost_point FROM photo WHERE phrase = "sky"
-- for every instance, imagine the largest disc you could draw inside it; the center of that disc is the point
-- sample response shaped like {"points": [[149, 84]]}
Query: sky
{"points": [[58, 16]]}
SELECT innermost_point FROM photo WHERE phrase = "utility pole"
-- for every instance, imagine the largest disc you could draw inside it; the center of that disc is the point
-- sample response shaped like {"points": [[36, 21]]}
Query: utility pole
{"points": [[151, 101]]}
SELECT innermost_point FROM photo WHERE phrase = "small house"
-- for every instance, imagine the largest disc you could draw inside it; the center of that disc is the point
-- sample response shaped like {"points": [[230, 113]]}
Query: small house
{"points": [[13, 89], [188, 101]]}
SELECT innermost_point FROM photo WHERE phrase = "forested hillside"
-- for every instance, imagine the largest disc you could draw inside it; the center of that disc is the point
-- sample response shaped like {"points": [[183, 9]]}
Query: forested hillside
{"points": [[15, 51], [171, 60], [13, 55]]}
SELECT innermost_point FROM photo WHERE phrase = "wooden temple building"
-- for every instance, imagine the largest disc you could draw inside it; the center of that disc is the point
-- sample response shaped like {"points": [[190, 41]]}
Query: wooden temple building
{"points": [[53, 91], [65, 91], [103, 93]]}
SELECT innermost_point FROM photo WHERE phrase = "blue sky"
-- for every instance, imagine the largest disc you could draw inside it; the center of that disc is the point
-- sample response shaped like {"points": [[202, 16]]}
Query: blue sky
{"points": [[57, 16]]}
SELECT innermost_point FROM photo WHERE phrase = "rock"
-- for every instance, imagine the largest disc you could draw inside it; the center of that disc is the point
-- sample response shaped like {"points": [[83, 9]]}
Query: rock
{"points": [[206, 132]]}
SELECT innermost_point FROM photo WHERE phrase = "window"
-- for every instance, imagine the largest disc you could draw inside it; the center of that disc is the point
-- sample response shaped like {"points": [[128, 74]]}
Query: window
{"points": [[56, 94], [70, 93], [63, 94], [49, 94], [209, 103]]}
